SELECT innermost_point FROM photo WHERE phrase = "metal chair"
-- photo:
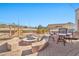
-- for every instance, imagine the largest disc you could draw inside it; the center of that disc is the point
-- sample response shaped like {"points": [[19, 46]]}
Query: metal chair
{"points": [[69, 35], [62, 34], [52, 36]]}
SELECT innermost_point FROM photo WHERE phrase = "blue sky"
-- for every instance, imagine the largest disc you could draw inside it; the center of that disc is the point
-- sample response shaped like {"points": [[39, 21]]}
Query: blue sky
{"points": [[31, 14]]}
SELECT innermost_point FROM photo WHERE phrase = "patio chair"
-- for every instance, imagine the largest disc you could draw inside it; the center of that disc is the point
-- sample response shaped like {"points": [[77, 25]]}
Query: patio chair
{"points": [[62, 34], [52, 36], [70, 36]]}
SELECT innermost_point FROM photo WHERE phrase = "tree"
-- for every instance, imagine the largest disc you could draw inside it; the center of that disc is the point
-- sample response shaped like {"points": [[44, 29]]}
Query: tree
{"points": [[40, 26], [41, 29]]}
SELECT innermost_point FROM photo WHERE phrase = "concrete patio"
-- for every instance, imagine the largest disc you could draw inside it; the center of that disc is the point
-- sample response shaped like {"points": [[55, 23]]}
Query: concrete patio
{"points": [[53, 49]]}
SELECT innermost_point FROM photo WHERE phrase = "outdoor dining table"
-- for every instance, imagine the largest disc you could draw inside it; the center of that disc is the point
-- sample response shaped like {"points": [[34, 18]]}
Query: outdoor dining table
{"points": [[64, 37]]}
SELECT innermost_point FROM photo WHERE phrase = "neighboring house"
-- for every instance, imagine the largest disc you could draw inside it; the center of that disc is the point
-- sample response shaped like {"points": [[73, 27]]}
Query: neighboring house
{"points": [[55, 27]]}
